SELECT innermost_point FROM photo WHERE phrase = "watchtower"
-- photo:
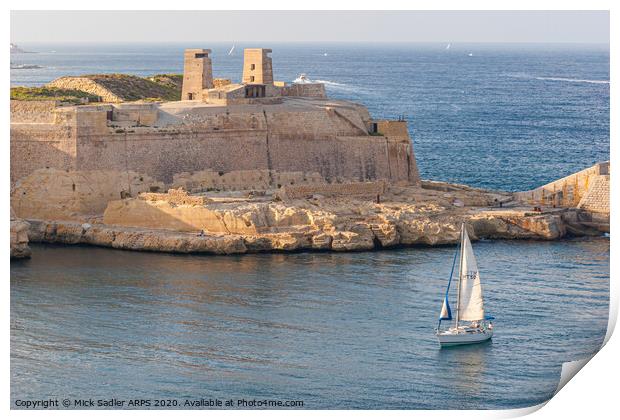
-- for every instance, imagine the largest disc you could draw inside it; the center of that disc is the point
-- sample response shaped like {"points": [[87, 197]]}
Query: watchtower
{"points": [[197, 74], [257, 68]]}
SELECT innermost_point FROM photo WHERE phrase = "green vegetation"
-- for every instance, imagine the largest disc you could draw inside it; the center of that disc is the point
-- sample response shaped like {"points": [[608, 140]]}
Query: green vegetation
{"points": [[174, 81], [134, 88], [23, 93]]}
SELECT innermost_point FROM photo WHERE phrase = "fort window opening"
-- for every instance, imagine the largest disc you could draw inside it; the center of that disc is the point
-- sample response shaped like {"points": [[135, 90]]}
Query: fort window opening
{"points": [[255, 91], [251, 78], [190, 96], [109, 115], [252, 66], [201, 55]]}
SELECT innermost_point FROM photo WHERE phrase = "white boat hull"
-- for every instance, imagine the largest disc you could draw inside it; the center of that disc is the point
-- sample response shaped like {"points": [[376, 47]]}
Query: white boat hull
{"points": [[460, 337]]}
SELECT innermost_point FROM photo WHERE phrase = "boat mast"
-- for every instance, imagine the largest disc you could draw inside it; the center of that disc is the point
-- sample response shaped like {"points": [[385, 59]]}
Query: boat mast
{"points": [[458, 289]]}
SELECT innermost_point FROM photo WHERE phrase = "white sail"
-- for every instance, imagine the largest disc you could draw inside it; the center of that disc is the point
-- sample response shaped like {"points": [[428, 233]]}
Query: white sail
{"points": [[231, 50], [470, 307]]}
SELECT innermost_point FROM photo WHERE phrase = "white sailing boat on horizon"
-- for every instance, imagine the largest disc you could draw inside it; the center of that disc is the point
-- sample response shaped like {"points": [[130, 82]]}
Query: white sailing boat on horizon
{"points": [[469, 302], [231, 50]]}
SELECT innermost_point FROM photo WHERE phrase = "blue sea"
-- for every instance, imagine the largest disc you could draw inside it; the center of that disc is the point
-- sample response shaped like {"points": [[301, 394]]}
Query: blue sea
{"points": [[342, 330]]}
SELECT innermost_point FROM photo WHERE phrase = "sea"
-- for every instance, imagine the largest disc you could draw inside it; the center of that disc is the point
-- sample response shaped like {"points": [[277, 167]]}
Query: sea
{"points": [[337, 330]]}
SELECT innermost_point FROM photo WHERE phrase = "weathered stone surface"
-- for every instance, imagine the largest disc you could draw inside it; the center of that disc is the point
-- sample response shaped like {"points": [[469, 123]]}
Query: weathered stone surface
{"points": [[134, 239], [545, 226], [406, 216], [69, 195], [19, 239]]}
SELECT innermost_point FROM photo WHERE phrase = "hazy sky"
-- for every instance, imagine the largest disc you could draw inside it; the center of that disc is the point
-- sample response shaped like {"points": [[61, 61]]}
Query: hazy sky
{"points": [[281, 26]]}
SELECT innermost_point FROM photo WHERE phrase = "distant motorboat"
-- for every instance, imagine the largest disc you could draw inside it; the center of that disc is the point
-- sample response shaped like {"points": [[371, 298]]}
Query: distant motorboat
{"points": [[302, 79], [469, 302], [470, 55]]}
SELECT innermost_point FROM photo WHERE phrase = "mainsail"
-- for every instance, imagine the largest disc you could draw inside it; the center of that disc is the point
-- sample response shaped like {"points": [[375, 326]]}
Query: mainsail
{"points": [[470, 304]]}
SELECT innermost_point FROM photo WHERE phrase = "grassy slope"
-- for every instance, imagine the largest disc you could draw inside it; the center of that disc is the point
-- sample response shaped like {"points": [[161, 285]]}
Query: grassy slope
{"points": [[48, 93], [133, 88], [160, 87]]}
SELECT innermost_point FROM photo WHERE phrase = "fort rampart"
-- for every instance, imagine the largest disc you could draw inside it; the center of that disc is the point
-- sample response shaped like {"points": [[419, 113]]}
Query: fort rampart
{"points": [[161, 142]]}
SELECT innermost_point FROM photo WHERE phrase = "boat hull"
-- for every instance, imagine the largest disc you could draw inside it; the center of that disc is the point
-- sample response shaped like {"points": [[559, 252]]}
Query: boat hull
{"points": [[447, 338]]}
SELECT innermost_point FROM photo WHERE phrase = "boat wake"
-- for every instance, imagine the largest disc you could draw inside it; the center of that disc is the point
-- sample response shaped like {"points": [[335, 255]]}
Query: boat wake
{"points": [[304, 79], [556, 79], [331, 85], [566, 79]]}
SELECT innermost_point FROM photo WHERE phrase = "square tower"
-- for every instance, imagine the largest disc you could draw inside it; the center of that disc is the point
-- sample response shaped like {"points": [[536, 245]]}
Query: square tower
{"points": [[257, 66], [197, 74]]}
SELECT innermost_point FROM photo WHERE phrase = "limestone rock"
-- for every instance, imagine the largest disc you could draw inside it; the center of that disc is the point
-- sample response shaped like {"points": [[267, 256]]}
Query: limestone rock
{"points": [[358, 238], [546, 226], [19, 239], [134, 239]]}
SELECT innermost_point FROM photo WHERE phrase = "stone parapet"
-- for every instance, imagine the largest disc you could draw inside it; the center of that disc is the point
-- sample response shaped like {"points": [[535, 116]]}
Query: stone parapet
{"points": [[348, 189]]}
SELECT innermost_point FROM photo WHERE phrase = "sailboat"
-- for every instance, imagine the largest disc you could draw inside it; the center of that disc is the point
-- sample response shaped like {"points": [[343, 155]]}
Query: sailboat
{"points": [[470, 325], [231, 50]]}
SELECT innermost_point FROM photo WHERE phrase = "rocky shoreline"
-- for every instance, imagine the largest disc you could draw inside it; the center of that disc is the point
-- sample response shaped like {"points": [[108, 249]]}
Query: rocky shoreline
{"points": [[404, 216], [361, 237]]}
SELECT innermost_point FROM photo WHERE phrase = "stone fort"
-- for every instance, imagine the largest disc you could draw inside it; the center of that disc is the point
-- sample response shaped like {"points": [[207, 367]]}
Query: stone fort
{"points": [[258, 124]]}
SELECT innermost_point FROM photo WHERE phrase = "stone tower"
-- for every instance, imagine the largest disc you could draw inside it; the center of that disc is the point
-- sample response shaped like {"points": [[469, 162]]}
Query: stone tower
{"points": [[257, 66], [197, 74]]}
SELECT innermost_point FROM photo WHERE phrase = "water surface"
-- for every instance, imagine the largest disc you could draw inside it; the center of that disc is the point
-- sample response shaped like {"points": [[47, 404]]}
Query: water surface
{"points": [[351, 330]]}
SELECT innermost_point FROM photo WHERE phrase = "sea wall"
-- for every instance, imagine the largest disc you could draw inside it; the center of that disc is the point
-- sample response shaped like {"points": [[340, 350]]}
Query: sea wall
{"points": [[567, 191], [596, 199], [316, 90]]}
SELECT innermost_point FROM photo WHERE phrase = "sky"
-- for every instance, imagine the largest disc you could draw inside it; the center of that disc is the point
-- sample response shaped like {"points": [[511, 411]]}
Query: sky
{"points": [[310, 26]]}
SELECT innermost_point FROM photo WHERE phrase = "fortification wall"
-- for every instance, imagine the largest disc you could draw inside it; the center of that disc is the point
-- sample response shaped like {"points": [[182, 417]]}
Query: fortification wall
{"points": [[292, 141], [41, 145], [596, 200], [54, 194], [336, 159], [311, 90], [33, 111], [349, 189], [314, 124], [161, 154], [567, 191], [256, 179]]}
